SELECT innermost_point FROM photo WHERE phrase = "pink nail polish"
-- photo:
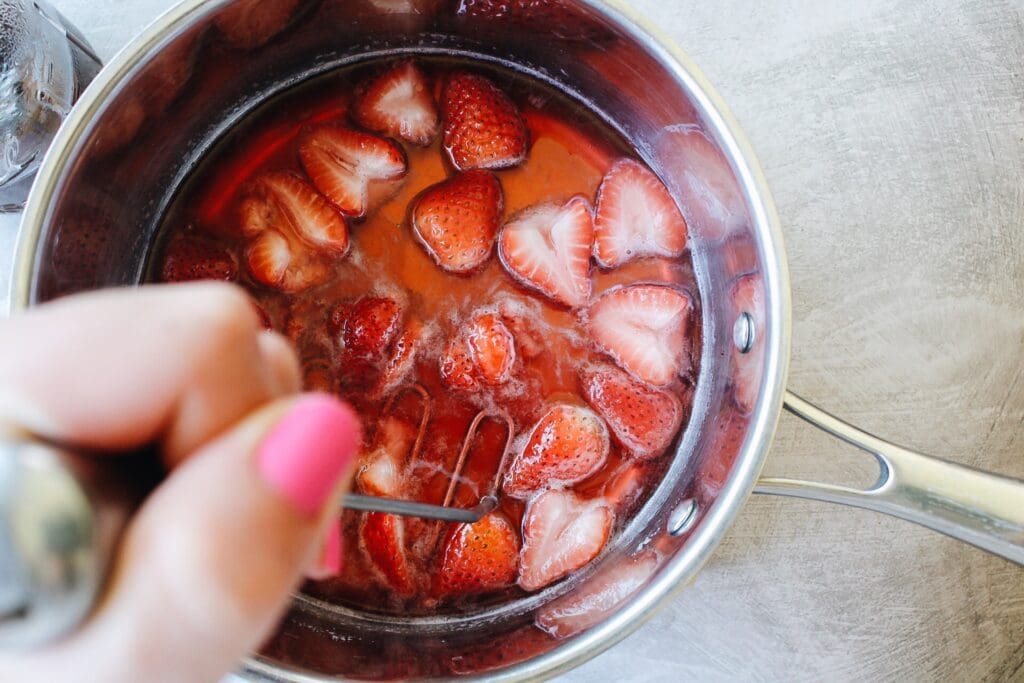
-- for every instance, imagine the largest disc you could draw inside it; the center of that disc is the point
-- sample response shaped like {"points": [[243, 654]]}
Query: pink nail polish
{"points": [[308, 450], [332, 557]]}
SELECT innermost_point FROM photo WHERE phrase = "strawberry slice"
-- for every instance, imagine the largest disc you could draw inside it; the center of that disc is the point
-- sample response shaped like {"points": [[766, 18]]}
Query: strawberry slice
{"points": [[382, 538], [398, 103], [598, 597], [478, 558], [382, 470], [346, 164], [643, 419], [635, 217], [284, 202], [482, 127], [748, 297], [403, 358], [457, 219], [561, 533], [191, 258], [547, 248], [371, 327], [567, 445], [484, 350], [643, 327], [279, 263]]}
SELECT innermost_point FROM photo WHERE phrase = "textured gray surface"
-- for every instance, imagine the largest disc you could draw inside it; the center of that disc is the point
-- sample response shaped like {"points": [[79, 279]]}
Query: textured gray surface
{"points": [[893, 137]]}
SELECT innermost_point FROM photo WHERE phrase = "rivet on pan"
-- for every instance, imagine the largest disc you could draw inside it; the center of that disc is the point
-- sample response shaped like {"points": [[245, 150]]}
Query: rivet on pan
{"points": [[743, 332], [683, 518]]}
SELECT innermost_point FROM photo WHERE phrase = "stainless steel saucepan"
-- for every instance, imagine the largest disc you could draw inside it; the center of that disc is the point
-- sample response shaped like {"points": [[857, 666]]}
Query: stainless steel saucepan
{"points": [[153, 112]]}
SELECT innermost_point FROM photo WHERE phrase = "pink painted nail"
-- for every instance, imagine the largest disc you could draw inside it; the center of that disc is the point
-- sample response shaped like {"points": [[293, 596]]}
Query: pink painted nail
{"points": [[308, 450]]}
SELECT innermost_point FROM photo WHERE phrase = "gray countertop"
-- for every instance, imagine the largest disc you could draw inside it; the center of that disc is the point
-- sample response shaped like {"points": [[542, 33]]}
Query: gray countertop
{"points": [[892, 135]]}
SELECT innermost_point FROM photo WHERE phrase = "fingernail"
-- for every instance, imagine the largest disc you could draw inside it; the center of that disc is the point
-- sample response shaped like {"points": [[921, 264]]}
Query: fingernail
{"points": [[332, 558], [309, 450]]}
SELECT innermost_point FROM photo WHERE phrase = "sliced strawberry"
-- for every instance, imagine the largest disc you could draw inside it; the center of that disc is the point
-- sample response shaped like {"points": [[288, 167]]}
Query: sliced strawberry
{"points": [[190, 258], [398, 103], [748, 366], [274, 261], [456, 366], [635, 217], [598, 597], [478, 558], [492, 348], [371, 327], [643, 419], [382, 538], [547, 248], [403, 357], [482, 351], [457, 219], [482, 127], [561, 533], [567, 445], [643, 327], [383, 469], [284, 202], [346, 164]]}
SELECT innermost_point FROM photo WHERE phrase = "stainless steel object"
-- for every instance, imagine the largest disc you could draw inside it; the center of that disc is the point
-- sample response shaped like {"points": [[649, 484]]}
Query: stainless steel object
{"points": [[601, 55], [44, 65]]}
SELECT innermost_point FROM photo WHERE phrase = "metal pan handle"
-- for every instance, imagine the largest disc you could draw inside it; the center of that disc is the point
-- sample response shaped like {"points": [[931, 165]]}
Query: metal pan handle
{"points": [[983, 509]]}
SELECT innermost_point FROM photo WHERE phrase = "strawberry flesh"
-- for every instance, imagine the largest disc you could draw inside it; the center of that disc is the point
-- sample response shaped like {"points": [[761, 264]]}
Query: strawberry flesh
{"points": [[561, 533], [547, 248], [643, 419], [482, 126], [345, 165], [189, 258], [483, 351], [478, 558], [398, 103], [456, 220], [567, 445], [635, 217], [643, 328]]}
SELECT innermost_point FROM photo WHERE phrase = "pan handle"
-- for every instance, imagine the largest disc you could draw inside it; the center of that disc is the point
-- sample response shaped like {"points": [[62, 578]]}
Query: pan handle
{"points": [[983, 509]]}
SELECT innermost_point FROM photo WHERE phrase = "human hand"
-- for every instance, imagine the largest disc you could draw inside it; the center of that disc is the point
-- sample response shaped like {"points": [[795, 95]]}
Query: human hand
{"points": [[205, 567]]}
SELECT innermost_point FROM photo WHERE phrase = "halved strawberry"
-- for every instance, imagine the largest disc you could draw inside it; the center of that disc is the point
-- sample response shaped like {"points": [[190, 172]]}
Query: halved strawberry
{"points": [[398, 103], [643, 327], [457, 219], [483, 350], [190, 258], [547, 248], [403, 358], [346, 164], [478, 558], [277, 262], [598, 597], [371, 327], [482, 126], [382, 538], [284, 202], [643, 419], [561, 533], [382, 472], [635, 217], [567, 445], [748, 297]]}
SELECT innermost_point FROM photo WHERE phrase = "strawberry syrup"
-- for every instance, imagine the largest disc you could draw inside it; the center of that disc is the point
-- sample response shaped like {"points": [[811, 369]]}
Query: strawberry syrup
{"points": [[570, 152]]}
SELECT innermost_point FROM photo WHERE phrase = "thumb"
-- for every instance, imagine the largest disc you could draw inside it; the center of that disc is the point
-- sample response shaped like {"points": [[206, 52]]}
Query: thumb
{"points": [[210, 561]]}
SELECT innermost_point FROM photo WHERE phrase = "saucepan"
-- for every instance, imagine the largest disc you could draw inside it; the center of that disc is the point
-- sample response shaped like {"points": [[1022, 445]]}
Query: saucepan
{"points": [[152, 113]]}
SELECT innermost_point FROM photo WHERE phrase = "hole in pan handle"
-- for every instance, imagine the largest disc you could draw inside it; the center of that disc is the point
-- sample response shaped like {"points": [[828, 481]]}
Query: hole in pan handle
{"points": [[977, 507]]}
